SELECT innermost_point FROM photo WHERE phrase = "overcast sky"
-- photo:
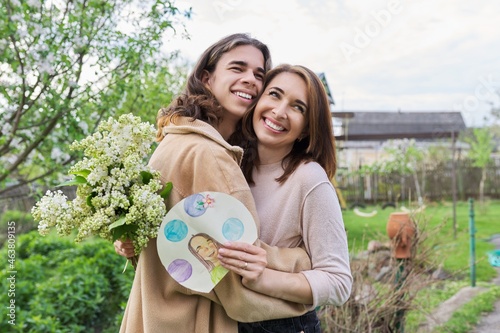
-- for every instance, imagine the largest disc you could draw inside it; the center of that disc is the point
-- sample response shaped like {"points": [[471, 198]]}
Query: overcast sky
{"points": [[427, 55]]}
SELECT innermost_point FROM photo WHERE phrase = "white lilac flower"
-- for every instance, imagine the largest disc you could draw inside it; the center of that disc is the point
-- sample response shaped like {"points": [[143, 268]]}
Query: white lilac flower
{"points": [[53, 210], [98, 174], [112, 163]]}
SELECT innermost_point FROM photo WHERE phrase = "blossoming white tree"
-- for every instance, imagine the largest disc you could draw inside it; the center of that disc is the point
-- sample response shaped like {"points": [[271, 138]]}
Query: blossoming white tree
{"points": [[67, 64]]}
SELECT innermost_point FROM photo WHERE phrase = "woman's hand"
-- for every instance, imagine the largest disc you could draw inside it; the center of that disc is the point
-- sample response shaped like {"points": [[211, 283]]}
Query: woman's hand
{"points": [[245, 259], [124, 248], [250, 262]]}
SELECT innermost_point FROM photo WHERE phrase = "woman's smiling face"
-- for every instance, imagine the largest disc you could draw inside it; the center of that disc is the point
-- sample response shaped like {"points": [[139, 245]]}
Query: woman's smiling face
{"points": [[280, 114]]}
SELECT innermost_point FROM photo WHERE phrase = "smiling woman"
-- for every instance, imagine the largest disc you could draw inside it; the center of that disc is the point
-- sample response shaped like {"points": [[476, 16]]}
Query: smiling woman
{"points": [[289, 162]]}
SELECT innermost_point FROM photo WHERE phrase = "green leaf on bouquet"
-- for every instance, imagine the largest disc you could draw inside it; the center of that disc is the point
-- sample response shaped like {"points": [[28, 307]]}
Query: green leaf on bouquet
{"points": [[78, 180], [166, 190], [89, 199], [117, 223], [119, 228], [146, 177], [84, 173]]}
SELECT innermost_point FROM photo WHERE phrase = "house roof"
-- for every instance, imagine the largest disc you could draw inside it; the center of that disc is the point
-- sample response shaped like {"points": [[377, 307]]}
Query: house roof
{"points": [[322, 77], [359, 125]]}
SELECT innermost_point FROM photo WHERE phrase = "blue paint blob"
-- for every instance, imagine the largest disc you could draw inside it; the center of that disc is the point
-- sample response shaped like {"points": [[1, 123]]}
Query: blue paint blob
{"points": [[175, 230], [193, 205], [233, 229], [180, 270]]}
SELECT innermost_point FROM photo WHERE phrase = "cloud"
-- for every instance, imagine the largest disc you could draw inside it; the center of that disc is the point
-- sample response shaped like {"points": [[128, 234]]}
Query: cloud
{"points": [[377, 54]]}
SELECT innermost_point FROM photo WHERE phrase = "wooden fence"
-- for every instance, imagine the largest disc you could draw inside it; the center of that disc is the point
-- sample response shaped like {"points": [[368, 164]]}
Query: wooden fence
{"points": [[435, 181], [435, 185], [24, 198]]}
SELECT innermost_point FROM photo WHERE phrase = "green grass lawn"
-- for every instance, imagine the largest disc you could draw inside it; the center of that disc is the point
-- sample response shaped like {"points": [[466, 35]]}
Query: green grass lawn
{"points": [[437, 218], [453, 253]]}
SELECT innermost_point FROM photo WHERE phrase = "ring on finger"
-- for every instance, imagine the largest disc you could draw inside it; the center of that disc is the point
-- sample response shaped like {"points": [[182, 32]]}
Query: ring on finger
{"points": [[245, 266]]}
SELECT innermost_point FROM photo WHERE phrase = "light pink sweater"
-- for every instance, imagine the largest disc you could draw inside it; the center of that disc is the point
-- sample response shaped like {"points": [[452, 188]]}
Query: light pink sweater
{"points": [[305, 211]]}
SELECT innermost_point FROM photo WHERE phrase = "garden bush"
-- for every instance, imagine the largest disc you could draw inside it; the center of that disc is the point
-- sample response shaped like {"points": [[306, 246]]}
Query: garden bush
{"points": [[61, 286], [24, 223]]}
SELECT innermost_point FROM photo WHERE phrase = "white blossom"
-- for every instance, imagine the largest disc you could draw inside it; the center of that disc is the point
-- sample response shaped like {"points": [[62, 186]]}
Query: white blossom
{"points": [[46, 67], [37, 30], [112, 165], [84, 126], [33, 3], [53, 210], [16, 17], [15, 143], [6, 128], [58, 155]]}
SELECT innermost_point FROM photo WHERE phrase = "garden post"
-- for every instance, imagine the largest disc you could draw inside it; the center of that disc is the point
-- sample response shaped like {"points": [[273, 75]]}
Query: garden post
{"points": [[472, 232], [401, 231], [399, 280]]}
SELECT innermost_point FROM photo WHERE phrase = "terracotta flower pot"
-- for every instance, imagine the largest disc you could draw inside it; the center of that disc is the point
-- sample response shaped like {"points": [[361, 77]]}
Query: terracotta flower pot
{"points": [[401, 230]]}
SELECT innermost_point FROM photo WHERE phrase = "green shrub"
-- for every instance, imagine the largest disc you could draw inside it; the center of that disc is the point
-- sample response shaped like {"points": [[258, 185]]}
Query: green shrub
{"points": [[61, 286], [23, 222], [32, 243]]}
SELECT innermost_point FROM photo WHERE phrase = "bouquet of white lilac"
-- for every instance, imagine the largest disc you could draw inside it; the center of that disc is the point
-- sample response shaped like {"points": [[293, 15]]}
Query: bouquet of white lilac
{"points": [[118, 195]]}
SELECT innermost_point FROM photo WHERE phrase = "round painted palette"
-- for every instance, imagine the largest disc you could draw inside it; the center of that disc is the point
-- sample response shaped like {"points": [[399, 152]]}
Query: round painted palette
{"points": [[192, 231]]}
